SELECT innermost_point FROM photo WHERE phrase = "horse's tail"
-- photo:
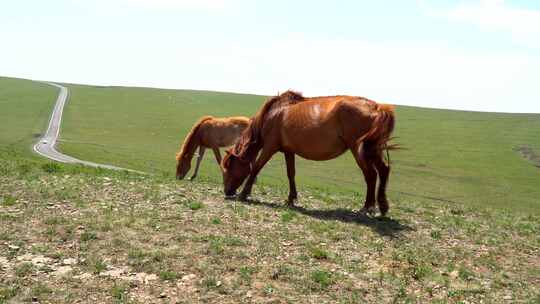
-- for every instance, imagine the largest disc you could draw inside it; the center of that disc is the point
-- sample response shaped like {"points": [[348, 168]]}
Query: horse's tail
{"points": [[189, 137], [385, 122], [380, 134]]}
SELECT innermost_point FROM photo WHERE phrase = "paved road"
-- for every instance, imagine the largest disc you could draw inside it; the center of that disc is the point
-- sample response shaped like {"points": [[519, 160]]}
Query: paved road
{"points": [[46, 144]]}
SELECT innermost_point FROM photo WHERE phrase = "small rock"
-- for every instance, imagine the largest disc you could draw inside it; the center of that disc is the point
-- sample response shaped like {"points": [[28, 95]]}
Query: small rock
{"points": [[4, 262], [13, 247], [188, 277], [249, 294], [69, 261], [162, 295], [150, 277], [40, 260], [454, 274], [114, 273], [218, 283], [63, 270], [143, 277], [507, 297], [25, 257], [83, 276]]}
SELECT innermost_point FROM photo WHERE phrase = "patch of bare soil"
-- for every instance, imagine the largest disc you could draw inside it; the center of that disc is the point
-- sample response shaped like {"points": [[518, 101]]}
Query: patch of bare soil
{"points": [[529, 154]]}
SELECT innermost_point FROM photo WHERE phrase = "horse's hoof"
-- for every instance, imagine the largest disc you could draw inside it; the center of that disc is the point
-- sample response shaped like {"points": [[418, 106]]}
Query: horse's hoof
{"points": [[243, 198], [291, 202], [370, 211], [383, 207]]}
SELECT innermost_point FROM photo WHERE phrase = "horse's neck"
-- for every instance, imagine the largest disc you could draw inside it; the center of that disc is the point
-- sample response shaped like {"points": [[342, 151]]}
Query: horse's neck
{"points": [[192, 146], [252, 152]]}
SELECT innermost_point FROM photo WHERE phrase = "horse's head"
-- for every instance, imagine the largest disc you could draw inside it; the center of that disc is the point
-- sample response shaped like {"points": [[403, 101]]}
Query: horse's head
{"points": [[235, 170], [183, 164]]}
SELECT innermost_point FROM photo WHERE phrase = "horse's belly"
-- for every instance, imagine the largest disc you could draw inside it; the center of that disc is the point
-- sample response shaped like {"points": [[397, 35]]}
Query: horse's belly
{"points": [[315, 145], [311, 131]]}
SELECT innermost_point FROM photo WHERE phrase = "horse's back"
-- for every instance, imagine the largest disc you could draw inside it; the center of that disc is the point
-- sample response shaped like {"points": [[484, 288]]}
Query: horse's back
{"points": [[311, 129], [222, 132], [323, 128]]}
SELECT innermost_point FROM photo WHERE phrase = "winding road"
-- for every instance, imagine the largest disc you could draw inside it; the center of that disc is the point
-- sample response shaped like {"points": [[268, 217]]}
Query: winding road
{"points": [[46, 146]]}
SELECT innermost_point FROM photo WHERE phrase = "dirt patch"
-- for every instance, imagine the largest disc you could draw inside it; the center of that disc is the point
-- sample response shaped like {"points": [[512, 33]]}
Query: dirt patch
{"points": [[529, 154]]}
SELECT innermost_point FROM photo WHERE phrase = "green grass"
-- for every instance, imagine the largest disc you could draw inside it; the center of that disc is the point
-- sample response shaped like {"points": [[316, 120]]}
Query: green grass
{"points": [[25, 107], [156, 247], [467, 158], [452, 156]]}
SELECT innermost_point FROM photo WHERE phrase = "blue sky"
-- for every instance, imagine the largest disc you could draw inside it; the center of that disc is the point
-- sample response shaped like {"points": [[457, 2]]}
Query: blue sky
{"points": [[476, 55]]}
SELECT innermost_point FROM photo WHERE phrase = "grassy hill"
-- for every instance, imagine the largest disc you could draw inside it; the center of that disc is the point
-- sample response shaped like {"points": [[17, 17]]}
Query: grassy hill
{"points": [[71, 234], [453, 156], [25, 107], [75, 234]]}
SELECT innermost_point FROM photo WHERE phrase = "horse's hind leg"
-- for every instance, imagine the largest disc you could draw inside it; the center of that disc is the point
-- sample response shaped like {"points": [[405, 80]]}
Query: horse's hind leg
{"points": [[199, 159], [384, 171], [370, 176], [289, 158]]}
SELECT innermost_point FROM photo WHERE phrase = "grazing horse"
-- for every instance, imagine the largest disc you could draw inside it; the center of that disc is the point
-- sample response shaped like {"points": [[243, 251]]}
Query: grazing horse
{"points": [[317, 128], [208, 132]]}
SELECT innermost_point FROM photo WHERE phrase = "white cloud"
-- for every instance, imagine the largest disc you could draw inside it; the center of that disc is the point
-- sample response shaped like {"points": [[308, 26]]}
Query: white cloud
{"points": [[416, 74], [497, 15], [421, 74], [156, 4], [206, 4]]}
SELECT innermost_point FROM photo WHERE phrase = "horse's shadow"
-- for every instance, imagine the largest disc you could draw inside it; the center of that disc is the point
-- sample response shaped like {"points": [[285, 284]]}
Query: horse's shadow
{"points": [[382, 225]]}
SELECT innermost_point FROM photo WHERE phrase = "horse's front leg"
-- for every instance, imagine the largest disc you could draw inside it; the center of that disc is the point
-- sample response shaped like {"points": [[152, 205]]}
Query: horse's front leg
{"points": [[289, 159], [265, 156], [199, 159], [218, 156]]}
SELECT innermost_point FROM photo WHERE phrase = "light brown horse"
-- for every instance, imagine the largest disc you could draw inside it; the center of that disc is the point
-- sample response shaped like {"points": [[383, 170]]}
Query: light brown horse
{"points": [[318, 128], [208, 132]]}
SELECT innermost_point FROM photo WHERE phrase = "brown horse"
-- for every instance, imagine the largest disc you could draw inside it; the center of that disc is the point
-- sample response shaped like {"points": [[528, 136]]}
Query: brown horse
{"points": [[208, 132], [318, 128]]}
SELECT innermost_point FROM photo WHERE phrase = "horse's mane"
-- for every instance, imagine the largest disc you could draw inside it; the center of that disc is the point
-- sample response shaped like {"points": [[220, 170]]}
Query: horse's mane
{"points": [[251, 135], [189, 137]]}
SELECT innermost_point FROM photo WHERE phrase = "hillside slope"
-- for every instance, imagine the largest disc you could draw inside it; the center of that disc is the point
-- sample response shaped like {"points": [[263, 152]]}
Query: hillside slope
{"points": [[71, 234], [452, 156], [25, 107]]}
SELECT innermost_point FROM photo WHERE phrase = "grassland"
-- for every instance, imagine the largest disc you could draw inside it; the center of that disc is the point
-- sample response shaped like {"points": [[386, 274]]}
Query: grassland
{"points": [[453, 156], [25, 107], [71, 234]]}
